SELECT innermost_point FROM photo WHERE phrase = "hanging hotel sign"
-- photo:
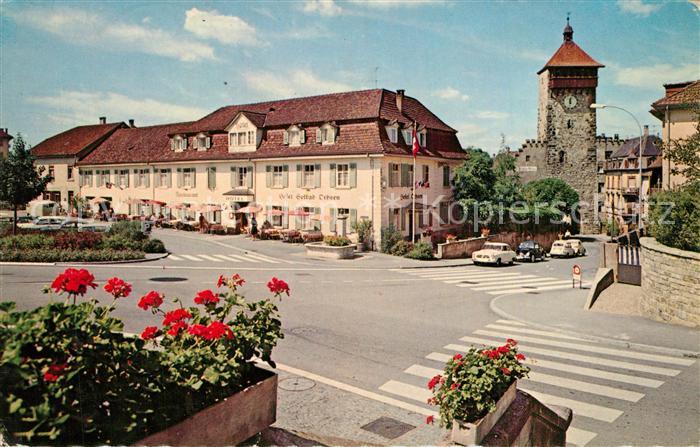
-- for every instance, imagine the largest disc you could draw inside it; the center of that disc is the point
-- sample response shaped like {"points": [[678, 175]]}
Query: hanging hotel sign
{"points": [[241, 198], [186, 194], [527, 168]]}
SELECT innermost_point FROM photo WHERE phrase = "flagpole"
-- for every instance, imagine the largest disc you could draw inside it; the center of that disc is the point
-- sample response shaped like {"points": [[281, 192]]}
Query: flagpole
{"points": [[413, 218]]}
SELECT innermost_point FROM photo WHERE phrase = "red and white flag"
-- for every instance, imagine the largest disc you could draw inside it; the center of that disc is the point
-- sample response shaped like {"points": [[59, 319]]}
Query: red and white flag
{"points": [[416, 146]]}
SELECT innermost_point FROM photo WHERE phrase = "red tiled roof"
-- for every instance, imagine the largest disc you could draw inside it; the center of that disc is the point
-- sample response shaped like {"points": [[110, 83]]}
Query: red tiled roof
{"points": [[630, 148], [688, 95], [74, 141], [570, 55], [4, 134]]}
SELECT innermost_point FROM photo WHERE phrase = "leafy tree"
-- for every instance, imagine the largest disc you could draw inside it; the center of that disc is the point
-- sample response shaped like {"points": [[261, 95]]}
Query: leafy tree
{"points": [[507, 188], [674, 217], [685, 154], [474, 179], [553, 192], [20, 181]]}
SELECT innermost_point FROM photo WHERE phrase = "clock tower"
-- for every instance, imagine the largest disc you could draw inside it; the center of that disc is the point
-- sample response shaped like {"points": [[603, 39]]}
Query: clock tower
{"points": [[566, 143]]}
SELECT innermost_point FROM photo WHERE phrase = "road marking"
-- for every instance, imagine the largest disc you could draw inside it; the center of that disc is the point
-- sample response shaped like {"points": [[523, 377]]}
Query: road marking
{"points": [[209, 258], [515, 323], [266, 259], [408, 391], [507, 279], [571, 356], [564, 284], [359, 391], [596, 349], [423, 371], [438, 357], [174, 258], [191, 258], [477, 278], [464, 275], [579, 437], [227, 258], [539, 285], [533, 332], [586, 387], [244, 258], [488, 286], [579, 408]]}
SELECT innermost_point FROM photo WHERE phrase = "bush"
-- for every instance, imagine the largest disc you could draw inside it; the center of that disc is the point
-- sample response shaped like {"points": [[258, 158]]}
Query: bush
{"points": [[26, 242], [390, 237], [77, 240], [153, 246], [612, 228], [675, 217], [121, 242], [56, 255], [401, 248], [52, 356], [471, 384], [364, 230], [130, 229], [421, 251], [336, 241]]}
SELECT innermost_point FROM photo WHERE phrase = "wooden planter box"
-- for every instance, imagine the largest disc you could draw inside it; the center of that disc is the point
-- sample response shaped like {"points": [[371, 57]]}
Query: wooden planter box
{"points": [[319, 249], [229, 422], [471, 433]]}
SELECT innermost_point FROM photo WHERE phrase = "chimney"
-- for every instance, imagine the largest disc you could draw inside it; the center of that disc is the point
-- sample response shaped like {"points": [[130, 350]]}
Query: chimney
{"points": [[646, 130], [131, 123], [103, 120], [617, 136], [399, 100]]}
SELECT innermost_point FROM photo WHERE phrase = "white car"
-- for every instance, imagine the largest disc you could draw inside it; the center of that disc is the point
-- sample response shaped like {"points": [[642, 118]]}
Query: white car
{"points": [[44, 223], [494, 253], [578, 247], [562, 249]]}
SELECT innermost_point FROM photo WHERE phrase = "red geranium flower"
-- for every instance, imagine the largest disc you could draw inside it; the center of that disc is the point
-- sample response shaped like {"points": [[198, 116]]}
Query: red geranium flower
{"points": [[457, 357], [505, 349], [176, 316], [221, 281], [430, 419], [434, 381], [216, 330], [453, 386], [149, 333], [511, 342], [198, 330], [278, 287], [151, 299], [520, 357], [74, 281], [54, 372], [176, 328], [118, 287], [237, 280], [505, 371], [206, 297]]}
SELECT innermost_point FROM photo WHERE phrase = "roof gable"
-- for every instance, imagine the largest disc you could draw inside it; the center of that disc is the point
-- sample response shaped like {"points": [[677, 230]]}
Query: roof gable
{"points": [[570, 55]]}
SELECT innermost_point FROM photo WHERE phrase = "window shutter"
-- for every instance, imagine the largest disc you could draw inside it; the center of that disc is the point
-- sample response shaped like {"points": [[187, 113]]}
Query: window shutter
{"points": [[169, 178], [268, 176], [302, 136], [285, 217], [194, 177], [353, 218], [318, 136], [285, 176], [333, 175], [405, 180], [286, 137], [148, 178], [353, 175], [445, 176], [299, 176], [298, 223], [249, 177], [333, 222], [208, 142], [180, 178], [336, 132], [234, 172], [172, 144], [317, 176]]}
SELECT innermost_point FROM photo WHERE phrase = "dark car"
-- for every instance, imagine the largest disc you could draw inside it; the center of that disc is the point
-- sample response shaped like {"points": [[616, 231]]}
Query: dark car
{"points": [[530, 251]]}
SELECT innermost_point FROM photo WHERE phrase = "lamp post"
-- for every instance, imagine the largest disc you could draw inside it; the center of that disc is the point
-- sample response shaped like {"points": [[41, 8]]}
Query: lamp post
{"points": [[641, 136]]}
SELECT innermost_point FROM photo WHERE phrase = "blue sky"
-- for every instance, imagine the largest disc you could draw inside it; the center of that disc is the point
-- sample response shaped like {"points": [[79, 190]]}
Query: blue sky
{"points": [[474, 64]]}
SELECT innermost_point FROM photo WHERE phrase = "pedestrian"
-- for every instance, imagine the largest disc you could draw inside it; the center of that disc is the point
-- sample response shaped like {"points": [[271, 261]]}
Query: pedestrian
{"points": [[253, 227]]}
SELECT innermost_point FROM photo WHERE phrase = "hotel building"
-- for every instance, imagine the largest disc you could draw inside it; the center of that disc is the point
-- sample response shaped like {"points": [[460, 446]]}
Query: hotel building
{"points": [[300, 163]]}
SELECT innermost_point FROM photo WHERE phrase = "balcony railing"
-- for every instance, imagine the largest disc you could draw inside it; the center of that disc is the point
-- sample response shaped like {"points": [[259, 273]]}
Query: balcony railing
{"points": [[630, 191]]}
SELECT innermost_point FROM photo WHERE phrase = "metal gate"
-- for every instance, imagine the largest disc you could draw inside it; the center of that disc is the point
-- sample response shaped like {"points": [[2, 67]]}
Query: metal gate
{"points": [[629, 268]]}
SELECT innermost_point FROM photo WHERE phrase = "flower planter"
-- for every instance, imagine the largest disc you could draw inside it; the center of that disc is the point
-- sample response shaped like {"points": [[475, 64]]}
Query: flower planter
{"points": [[471, 433], [319, 249], [229, 422]]}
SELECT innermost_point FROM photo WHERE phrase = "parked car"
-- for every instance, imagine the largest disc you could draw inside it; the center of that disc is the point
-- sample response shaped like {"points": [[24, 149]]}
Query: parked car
{"points": [[44, 223], [83, 225], [20, 219], [577, 245], [494, 253], [562, 249], [530, 251]]}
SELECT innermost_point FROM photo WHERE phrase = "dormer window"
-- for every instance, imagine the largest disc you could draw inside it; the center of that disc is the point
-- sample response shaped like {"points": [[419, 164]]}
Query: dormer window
{"points": [[178, 143], [202, 142], [408, 136], [393, 132], [294, 136], [326, 134]]}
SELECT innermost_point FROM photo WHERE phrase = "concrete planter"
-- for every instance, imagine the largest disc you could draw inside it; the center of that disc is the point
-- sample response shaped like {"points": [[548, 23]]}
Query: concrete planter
{"points": [[321, 250], [472, 433], [229, 422]]}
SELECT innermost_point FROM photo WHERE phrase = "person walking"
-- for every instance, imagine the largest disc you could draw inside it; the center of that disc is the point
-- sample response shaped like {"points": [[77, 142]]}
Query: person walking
{"points": [[253, 227]]}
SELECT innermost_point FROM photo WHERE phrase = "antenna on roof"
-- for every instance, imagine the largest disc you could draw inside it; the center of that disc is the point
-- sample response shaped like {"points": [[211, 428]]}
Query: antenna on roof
{"points": [[376, 70]]}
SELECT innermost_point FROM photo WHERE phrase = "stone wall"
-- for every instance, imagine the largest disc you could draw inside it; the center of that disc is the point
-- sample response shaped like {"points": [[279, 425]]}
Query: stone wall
{"points": [[464, 248], [670, 283]]}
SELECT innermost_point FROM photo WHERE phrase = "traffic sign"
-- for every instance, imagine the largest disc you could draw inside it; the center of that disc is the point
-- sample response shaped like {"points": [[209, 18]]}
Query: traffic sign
{"points": [[576, 276]]}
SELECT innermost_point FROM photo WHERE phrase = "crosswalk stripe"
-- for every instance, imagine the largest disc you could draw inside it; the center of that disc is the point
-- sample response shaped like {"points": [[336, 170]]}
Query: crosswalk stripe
{"points": [[191, 258], [209, 258], [579, 437], [592, 372], [227, 258], [586, 387], [427, 273], [564, 284], [243, 258], [571, 356], [579, 408], [466, 275], [512, 322], [477, 278], [596, 349], [405, 390], [422, 371], [532, 332], [265, 258], [438, 357], [174, 258], [462, 273], [509, 278], [502, 284], [538, 285]]}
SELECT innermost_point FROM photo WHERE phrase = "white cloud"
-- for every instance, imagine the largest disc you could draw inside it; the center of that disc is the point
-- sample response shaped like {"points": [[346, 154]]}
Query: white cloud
{"points": [[385, 4], [300, 82], [653, 76], [491, 115], [71, 107], [450, 93], [469, 129], [91, 29], [638, 7], [229, 30], [327, 8]]}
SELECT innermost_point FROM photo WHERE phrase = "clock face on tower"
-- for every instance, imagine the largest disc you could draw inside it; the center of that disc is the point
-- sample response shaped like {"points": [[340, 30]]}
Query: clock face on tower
{"points": [[570, 101]]}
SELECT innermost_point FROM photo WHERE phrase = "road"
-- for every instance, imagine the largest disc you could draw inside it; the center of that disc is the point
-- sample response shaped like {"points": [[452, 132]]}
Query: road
{"points": [[384, 325]]}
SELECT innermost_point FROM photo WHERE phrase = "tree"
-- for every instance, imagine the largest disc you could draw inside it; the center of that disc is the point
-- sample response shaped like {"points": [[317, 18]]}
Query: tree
{"points": [[685, 154], [553, 192], [20, 181], [507, 188], [474, 179]]}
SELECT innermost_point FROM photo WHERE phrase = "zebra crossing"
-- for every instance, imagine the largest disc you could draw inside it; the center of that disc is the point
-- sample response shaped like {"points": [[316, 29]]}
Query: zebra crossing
{"points": [[598, 382], [492, 281], [247, 257]]}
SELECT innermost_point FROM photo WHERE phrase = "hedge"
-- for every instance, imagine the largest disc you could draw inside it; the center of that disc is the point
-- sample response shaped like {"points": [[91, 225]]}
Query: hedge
{"points": [[57, 255]]}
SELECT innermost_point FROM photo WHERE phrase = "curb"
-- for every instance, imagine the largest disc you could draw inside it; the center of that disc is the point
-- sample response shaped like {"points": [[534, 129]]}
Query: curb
{"points": [[434, 266], [623, 344], [127, 261]]}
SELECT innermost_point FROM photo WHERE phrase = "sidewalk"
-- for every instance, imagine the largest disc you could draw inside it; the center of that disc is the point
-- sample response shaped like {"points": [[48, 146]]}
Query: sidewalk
{"points": [[564, 311]]}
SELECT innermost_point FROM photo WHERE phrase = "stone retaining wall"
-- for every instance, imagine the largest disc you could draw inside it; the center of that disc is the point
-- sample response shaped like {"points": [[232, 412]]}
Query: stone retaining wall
{"points": [[670, 283], [465, 247]]}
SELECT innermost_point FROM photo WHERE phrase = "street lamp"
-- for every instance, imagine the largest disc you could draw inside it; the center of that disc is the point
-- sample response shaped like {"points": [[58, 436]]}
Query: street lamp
{"points": [[641, 136]]}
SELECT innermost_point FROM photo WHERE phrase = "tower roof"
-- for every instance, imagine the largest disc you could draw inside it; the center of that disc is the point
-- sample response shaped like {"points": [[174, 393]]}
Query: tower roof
{"points": [[569, 54]]}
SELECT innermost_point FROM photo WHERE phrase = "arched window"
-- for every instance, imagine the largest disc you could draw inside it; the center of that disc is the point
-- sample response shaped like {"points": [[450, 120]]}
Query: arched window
{"points": [[562, 156]]}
